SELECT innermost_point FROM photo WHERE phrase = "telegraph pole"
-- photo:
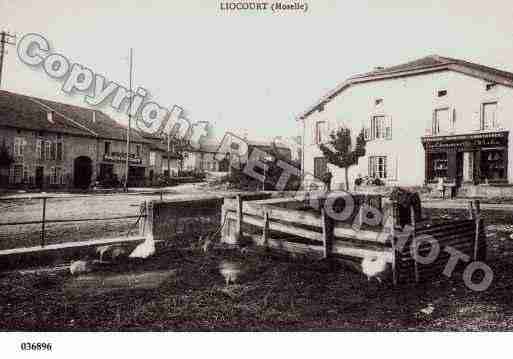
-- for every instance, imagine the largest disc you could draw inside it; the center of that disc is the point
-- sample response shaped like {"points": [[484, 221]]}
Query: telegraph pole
{"points": [[5, 39], [129, 125]]}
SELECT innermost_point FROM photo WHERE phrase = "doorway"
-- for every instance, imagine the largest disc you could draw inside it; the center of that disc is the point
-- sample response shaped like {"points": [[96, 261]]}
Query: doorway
{"points": [[40, 175], [82, 172]]}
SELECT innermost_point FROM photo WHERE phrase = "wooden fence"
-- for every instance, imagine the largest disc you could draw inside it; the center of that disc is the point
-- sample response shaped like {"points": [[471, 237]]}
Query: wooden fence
{"points": [[289, 226]]}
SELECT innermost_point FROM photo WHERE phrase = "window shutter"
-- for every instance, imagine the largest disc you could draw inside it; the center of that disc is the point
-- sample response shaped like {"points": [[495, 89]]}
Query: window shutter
{"points": [[314, 131], [453, 119], [388, 131], [477, 119], [53, 147], [38, 148], [431, 125], [366, 133], [392, 167], [330, 126]]}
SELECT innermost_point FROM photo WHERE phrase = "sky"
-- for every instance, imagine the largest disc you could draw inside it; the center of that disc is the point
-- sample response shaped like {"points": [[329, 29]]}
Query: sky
{"points": [[248, 72]]}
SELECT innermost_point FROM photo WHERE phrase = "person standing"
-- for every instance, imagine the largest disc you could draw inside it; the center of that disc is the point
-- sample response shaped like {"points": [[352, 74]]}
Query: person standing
{"points": [[326, 179]]}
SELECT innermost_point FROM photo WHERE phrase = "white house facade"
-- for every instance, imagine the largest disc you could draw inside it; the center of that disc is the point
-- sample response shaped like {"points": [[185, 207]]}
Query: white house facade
{"points": [[427, 119]]}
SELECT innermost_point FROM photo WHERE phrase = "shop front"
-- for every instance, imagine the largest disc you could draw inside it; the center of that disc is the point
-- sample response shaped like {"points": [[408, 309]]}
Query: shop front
{"points": [[476, 158], [113, 166]]}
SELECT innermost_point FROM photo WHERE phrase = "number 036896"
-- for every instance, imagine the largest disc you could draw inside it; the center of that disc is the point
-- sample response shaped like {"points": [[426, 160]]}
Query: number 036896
{"points": [[26, 346]]}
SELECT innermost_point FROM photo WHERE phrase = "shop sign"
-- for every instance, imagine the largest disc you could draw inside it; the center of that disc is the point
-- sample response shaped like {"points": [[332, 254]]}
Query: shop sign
{"points": [[466, 141], [121, 157]]}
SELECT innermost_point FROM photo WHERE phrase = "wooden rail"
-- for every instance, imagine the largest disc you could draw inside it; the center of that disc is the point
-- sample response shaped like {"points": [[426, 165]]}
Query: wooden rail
{"points": [[284, 225], [301, 232]]}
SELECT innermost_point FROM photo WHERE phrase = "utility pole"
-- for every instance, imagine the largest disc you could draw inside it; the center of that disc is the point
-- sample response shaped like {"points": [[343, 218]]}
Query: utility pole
{"points": [[129, 125], [5, 39]]}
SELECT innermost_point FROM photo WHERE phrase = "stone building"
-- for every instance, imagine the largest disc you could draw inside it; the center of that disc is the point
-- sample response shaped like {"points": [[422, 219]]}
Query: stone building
{"points": [[56, 145], [425, 120]]}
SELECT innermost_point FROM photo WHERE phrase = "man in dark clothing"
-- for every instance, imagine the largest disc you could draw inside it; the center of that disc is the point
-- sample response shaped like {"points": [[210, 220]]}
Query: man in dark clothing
{"points": [[326, 178]]}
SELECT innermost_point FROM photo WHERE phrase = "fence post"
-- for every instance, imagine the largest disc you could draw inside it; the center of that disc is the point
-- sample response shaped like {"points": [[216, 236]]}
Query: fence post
{"points": [[145, 213], [43, 223], [149, 226], [414, 244], [471, 210], [238, 228], [265, 231], [389, 228], [477, 216], [327, 232]]}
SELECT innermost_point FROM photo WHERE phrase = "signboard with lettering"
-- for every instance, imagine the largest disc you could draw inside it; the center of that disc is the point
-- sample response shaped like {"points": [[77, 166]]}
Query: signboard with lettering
{"points": [[121, 157], [466, 142]]}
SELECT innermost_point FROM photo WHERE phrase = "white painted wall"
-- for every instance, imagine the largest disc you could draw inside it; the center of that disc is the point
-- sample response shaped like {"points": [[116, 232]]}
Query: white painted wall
{"points": [[410, 101]]}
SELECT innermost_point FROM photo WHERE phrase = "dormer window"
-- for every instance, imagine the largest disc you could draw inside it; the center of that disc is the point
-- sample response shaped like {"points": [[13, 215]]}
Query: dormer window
{"points": [[442, 93], [49, 116]]}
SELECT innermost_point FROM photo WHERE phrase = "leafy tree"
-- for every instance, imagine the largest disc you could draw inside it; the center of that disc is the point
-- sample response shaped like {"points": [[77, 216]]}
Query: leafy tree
{"points": [[339, 151]]}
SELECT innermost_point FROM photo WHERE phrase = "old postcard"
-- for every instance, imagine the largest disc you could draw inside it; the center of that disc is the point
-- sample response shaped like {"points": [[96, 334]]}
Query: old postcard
{"points": [[311, 167]]}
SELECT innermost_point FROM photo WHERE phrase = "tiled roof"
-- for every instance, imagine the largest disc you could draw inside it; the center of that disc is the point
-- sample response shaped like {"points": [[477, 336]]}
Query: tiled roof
{"points": [[22, 112], [425, 64], [28, 112], [100, 123]]}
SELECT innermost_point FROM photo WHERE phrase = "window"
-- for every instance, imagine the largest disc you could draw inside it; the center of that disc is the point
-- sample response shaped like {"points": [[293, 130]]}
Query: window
{"points": [[49, 116], [18, 174], [56, 175], [48, 150], [381, 127], [378, 167], [25, 174], [493, 164], [490, 86], [59, 151], [442, 93], [19, 143], [106, 149], [378, 101], [320, 167], [320, 132], [153, 156], [489, 116], [442, 121], [40, 149], [138, 150], [53, 150]]}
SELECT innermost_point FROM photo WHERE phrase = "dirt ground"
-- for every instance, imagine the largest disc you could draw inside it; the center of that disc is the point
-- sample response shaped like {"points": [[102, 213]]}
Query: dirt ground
{"points": [[185, 291], [65, 207]]}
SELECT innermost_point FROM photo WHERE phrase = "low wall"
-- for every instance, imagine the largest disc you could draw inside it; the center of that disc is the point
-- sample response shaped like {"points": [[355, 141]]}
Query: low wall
{"points": [[178, 220], [486, 191], [52, 254]]}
